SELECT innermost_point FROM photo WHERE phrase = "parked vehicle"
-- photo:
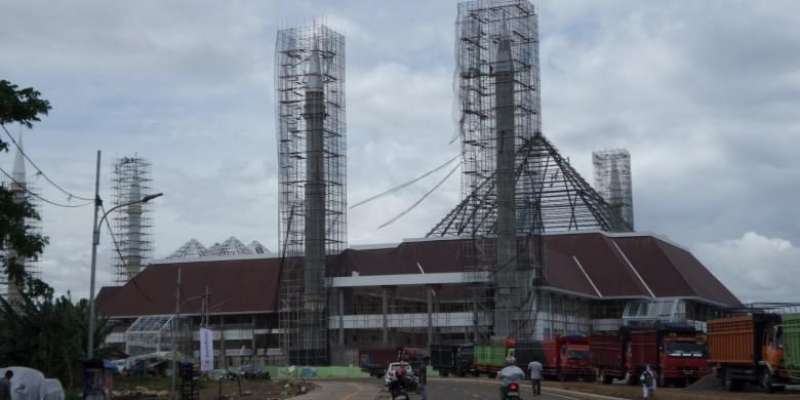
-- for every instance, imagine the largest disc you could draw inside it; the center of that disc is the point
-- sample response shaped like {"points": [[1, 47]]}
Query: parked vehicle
{"points": [[453, 359], [677, 354], [374, 362], [567, 357], [758, 348], [490, 359]]}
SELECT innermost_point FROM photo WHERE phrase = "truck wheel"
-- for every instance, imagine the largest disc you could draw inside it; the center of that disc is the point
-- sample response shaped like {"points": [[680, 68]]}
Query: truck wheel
{"points": [[767, 381], [607, 380], [562, 377], [732, 385], [445, 373], [492, 375], [476, 373]]}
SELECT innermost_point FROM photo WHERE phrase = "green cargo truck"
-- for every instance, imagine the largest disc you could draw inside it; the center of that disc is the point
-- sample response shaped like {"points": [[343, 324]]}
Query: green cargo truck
{"points": [[791, 346], [489, 360]]}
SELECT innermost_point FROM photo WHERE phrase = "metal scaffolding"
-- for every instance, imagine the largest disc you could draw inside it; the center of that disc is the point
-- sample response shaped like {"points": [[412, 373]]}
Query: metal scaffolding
{"points": [[612, 179], [310, 107], [132, 224], [515, 184]]}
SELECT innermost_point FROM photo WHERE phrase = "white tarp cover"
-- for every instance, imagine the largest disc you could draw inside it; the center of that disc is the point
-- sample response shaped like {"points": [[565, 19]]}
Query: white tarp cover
{"points": [[53, 390], [26, 384]]}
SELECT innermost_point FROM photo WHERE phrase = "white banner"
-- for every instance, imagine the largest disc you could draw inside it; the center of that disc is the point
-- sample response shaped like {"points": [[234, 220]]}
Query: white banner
{"points": [[206, 349]]}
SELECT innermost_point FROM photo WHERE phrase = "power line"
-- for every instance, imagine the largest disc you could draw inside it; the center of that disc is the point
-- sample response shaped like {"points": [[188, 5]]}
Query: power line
{"points": [[401, 186], [24, 188], [39, 170], [421, 199]]}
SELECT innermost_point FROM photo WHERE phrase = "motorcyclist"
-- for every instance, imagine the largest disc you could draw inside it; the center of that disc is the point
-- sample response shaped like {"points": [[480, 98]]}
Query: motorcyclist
{"points": [[511, 373], [398, 382]]}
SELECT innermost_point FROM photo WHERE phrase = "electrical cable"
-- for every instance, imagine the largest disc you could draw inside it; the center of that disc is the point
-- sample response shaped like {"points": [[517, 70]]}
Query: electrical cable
{"points": [[404, 185], [39, 170], [421, 199], [42, 198]]}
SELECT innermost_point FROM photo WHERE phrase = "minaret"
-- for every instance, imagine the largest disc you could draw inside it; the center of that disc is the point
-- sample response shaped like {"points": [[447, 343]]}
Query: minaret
{"points": [[18, 189], [314, 267], [506, 210]]}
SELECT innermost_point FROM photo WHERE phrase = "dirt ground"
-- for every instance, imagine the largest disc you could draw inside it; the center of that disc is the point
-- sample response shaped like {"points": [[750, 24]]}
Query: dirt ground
{"points": [[635, 392], [158, 388]]}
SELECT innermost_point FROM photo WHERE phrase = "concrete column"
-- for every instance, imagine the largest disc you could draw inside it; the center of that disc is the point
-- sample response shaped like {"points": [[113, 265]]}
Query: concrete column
{"points": [[340, 293], [385, 312], [506, 294]]}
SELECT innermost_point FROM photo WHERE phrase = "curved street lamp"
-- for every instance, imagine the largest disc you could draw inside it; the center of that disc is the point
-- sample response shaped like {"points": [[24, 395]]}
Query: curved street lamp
{"points": [[95, 241]]}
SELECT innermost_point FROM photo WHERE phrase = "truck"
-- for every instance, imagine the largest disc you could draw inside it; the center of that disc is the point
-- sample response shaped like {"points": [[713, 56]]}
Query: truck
{"points": [[375, 361], [566, 358], [453, 359], [758, 348], [490, 359], [677, 354]]}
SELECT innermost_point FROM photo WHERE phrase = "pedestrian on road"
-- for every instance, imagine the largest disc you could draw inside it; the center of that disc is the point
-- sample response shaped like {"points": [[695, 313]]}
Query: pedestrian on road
{"points": [[535, 371], [5, 385], [423, 378], [648, 379]]}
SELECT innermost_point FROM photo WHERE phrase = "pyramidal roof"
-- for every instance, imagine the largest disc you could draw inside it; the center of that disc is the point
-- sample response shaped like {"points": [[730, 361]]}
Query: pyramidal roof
{"points": [[191, 249], [230, 247], [566, 201], [257, 248]]}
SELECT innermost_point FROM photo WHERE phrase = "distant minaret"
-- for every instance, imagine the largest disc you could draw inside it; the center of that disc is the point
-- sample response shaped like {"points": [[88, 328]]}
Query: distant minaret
{"points": [[19, 187], [612, 179]]}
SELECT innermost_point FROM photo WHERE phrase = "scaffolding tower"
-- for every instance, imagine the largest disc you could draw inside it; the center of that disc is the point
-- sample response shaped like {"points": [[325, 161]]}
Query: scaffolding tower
{"points": [[131, 181], [612, 179], [515, 184], [310, 108]]}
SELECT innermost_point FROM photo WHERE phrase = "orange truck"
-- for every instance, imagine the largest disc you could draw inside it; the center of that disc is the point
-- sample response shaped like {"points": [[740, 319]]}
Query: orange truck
{"points": [[753, 349]]}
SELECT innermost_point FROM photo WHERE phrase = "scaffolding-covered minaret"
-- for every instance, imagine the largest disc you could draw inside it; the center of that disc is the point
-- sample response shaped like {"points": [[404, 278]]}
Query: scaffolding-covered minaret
{"points": [[310, 111], [612, 179], [20, 189], [131, 182]]}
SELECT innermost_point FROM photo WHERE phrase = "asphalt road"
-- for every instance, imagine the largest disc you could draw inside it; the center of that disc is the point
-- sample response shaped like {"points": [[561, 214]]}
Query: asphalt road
{"points": [[438, 389]]}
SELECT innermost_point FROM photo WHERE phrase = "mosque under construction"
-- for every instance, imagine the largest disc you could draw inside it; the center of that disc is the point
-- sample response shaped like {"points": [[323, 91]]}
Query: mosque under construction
{"points": [[531, 250]]}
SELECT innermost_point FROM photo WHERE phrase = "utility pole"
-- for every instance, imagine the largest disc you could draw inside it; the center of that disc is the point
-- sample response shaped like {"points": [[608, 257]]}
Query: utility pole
{"points": [[175, 321], [95, 241]]}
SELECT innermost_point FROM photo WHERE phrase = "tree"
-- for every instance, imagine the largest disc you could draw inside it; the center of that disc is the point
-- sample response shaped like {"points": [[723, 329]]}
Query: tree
{"points": [[22, 106]]}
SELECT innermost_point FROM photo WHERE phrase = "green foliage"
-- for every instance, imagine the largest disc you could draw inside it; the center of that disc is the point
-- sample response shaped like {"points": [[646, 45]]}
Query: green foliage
{"points": [[48, 334], [22, 106]]}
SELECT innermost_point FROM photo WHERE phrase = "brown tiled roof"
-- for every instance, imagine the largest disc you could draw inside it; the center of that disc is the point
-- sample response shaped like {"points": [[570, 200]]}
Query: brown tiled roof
{"points": [[250, 285], [236, 286]]}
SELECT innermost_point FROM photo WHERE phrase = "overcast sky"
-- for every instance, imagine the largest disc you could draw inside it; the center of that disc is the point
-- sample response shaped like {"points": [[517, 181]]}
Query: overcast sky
{"points": [[704, 94]]}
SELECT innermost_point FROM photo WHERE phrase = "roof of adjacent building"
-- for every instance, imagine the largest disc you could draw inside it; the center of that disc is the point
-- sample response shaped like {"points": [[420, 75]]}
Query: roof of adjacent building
{"points": [[596, 265]]}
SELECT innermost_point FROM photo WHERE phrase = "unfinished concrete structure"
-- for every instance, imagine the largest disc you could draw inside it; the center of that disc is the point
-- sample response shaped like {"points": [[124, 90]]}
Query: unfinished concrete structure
{"points": [[309, 81], [515, 184], [131, 180], [612, 179]]}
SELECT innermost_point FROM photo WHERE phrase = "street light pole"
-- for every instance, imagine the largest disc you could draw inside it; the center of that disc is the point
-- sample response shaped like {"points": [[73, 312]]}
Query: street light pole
{"points": [[96, 241]]}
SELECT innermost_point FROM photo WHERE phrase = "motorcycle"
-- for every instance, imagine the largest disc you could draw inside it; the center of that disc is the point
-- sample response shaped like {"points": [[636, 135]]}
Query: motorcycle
{"points": [[512, 391]]}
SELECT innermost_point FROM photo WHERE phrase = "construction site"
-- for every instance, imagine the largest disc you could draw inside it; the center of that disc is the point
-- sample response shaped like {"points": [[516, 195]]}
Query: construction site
{"points": [[530, 251]]}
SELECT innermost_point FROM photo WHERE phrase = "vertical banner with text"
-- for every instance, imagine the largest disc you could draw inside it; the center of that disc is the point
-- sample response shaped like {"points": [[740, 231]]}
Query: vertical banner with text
{"points": [[206, 349]]}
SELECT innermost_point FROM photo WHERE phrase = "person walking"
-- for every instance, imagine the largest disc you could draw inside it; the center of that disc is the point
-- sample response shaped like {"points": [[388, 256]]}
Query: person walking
{"points": [[423, 378], [5, 385], [535, 373], [648, 379]]}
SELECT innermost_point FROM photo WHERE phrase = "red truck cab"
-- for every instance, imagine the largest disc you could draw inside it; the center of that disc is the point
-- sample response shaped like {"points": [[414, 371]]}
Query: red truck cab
{"points": [[567, 357], [683, 359]]}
